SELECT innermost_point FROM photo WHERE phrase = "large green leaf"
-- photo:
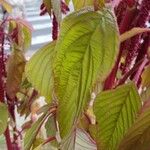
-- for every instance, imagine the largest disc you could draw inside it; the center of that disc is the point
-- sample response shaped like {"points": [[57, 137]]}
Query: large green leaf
{"points": [[138, 136], [86, 52], [115, 110], [3, 117], [39, 72]]}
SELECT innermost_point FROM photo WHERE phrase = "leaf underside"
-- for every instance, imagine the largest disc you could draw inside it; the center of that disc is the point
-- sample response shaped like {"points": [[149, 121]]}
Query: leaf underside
{"points": [[39, 71], [115, 111]]}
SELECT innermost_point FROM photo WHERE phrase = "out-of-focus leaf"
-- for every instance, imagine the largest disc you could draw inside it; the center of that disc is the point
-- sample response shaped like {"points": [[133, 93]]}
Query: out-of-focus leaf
{"points": [[86, 53], [146, 77], [145, 95], [56, 4], [33, 131], [50, 126], [138, 136], [48, 5], [78, 4], [39, 70], [116, 111], [27, 37], [37, 143], [67, 1], [51, 129], [6, 6], [3, 117], [21, 30], [15, 68], [38, 147]]}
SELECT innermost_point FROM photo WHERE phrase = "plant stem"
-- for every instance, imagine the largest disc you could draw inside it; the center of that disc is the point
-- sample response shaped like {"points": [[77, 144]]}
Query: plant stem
{"points": [[128, 74], [8, 139], [2, 76], [139, 71]]}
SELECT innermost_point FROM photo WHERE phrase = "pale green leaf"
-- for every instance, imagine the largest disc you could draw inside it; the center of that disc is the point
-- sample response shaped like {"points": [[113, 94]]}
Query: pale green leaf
{"points": [[39, 72], [27, 37], [116, 111], [86, 53], [138, 136], [3, 117], [78, 4]]}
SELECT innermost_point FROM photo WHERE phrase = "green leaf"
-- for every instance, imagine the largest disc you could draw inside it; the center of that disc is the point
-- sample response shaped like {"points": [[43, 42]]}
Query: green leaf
{"points": [[33, 131], [78, 4], [48, 6], [51, 129], [116, 111], [138, 136], [27, 37], [86, 53], [67, 1], [3, 117], [39, 72]]}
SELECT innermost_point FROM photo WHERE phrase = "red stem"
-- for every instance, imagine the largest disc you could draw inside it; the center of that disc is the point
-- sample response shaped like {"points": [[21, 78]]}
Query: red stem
{"points": [[128, 74], [49, 140], [124, 25], [8, 139], [139, 71], [54, 28]]}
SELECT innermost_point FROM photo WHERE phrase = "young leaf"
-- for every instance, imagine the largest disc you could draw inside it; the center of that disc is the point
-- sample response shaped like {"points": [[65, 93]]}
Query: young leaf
{"points": [[78, 4], [3, 117], [6, 6], [15, 68], [86, 51], [115, 110], [27, 37], [39, 72], [138, 136], [48, 6]]}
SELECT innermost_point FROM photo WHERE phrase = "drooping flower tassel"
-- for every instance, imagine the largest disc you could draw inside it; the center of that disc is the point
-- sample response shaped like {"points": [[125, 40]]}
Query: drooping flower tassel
{"points": [[54, 28], [133, 44]]}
